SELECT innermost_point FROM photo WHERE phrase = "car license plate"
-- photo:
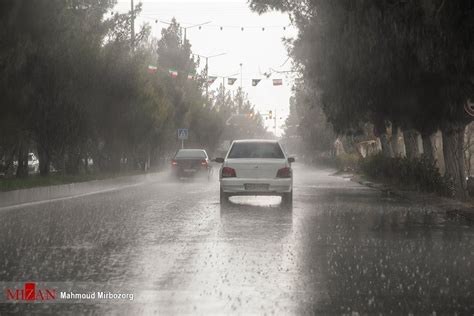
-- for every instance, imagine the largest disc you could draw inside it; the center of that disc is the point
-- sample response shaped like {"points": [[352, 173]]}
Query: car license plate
{"points": [[256, 187], [189, 170]]}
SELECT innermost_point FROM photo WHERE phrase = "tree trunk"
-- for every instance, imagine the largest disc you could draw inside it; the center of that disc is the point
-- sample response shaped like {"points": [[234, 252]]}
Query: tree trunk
{"points": [[380, 131], [44, 161], [453, 141], [394, 141], [73, 160], [428, 148], [7, 168], [22, 168], [386, 146], [411, 143]]}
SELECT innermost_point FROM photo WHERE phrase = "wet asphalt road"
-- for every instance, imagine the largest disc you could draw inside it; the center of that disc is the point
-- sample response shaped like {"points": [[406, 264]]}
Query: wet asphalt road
{"points": [[342, 249]]}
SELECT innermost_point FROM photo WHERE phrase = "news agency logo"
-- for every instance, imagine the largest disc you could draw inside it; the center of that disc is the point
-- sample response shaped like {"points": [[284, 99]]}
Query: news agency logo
{"points": [[30, 293]]}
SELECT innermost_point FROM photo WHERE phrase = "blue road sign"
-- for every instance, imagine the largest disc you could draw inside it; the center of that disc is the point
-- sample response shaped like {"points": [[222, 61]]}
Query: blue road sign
{"points": [[183, 133]]}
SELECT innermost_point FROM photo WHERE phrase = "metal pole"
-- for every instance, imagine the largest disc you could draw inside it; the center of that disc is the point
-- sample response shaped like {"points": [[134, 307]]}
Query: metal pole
{"points": [[241, 91], [132, 24], [223, 91], [240, 76], [182, 143], [207, 70], [275, 122], [207, 78]]}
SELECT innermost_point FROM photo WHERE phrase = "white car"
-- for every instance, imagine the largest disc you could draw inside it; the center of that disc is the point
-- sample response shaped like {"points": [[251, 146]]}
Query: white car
{"points": [[256, 167]]}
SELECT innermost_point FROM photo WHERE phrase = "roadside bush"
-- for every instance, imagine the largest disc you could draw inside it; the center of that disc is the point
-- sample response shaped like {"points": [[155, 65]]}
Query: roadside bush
{"points": [[348, 162], [420, 173]]}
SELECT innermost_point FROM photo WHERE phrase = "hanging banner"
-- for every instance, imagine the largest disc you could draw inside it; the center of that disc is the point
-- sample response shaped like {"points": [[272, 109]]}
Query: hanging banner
{"points": [[255, 82], [211, 80], [152, 69], [231, 81], [277, 82], [173, 73]]}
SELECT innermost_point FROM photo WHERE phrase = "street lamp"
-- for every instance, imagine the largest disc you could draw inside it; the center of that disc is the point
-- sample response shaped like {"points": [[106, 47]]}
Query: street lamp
{"points": [[187, 27], [207, 69], [223, 84]]}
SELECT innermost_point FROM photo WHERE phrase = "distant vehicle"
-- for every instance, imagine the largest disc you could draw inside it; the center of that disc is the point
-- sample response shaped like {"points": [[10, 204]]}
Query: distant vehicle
{"points": [[256, 167], [33, 163], [191, 163]]}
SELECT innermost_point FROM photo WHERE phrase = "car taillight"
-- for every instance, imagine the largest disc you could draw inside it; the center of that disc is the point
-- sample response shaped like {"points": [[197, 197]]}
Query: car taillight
{"points": [[284, 173], [174, 162], [228, 172], [204, 163]]}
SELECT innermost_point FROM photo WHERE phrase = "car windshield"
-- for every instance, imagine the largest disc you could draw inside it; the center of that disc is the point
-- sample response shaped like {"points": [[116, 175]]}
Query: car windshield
{"points": [[190, 153], [256, 150]]}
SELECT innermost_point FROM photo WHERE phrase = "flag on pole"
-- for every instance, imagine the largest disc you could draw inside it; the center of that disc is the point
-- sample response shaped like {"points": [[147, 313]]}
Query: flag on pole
{"points": [[211, 80], [173, 73], [231, 81], [277, 82], [152, 69], [255, 82]]}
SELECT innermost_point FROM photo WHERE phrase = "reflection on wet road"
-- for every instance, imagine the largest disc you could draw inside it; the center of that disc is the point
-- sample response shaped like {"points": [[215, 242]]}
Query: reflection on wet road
{"points": [[342, 249]]}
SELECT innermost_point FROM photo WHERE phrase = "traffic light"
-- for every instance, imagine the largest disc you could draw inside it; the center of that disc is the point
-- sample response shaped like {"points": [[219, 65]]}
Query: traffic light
{"points": [[270, 114]]}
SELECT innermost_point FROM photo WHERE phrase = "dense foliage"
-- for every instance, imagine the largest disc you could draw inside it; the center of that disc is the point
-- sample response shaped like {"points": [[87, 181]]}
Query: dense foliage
{"points": [[75, 87], [392, 63], [418, 173]]}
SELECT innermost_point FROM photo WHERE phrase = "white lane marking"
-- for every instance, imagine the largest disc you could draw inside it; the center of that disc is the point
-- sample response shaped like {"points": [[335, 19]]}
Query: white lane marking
{"points": [[9, 207]]}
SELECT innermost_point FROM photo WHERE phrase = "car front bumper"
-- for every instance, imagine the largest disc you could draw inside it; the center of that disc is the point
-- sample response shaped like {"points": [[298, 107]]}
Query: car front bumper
{"points": [[237, 186]]}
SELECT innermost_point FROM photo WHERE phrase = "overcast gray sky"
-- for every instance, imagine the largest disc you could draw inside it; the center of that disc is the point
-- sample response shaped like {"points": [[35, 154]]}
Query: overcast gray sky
{"points": [[256, 49]]}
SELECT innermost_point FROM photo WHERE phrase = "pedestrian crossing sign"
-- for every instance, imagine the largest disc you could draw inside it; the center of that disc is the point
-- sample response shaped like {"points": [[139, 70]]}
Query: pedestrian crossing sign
{"points": [[183, 133]]}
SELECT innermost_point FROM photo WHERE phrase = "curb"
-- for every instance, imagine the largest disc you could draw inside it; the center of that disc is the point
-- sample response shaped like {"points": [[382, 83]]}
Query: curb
{"points": [[452, 208], [39, 194]]}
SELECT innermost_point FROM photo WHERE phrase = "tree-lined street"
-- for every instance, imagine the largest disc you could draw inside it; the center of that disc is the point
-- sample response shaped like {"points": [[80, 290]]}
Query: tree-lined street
{"points": [[114, 114]]}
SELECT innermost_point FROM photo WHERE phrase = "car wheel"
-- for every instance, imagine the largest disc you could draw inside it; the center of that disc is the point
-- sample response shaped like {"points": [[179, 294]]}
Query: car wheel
{"points": [[287, 198]]}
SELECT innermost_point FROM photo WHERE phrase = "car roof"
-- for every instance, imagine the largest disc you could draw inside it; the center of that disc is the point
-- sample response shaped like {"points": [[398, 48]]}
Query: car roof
{"points": [[256, 141]]}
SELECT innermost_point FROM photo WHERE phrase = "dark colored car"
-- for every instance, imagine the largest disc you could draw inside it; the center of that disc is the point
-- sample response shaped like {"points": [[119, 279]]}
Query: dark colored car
{"points": [[191, 163]]}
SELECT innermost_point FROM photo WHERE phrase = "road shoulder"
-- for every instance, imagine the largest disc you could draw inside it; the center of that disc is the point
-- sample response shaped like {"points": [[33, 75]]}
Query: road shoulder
{"points": [[22, 197], [452, 208]]}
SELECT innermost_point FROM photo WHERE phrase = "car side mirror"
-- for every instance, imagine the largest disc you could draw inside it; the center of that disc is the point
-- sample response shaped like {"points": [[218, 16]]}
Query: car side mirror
{"points": [[219, 160], [291, 159]]}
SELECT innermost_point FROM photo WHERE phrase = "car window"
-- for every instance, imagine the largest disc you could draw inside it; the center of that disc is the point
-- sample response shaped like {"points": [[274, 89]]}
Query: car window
{"points": [[191, 154], [256, 150]]}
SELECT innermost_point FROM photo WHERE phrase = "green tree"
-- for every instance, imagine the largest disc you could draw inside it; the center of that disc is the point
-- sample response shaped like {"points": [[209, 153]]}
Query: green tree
{"points": [[378, 60]]}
